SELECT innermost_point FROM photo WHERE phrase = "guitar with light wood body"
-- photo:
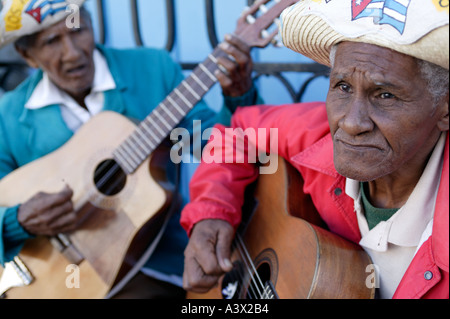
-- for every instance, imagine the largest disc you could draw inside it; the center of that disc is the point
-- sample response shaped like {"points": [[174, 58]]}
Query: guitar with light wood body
{"points": [[119, 187], [104, 242]]}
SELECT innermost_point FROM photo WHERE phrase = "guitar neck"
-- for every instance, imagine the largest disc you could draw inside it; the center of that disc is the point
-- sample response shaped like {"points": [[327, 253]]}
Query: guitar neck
{"points": [[158, 125], [168, 114]]}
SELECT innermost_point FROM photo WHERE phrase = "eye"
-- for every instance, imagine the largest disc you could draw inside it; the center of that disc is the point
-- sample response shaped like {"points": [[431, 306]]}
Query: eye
{"points": [[50, 41], [344, 87], [387, 95]]}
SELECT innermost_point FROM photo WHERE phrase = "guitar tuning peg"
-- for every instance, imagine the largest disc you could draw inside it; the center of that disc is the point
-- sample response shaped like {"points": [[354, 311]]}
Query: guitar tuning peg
{"points": [[265, 34], [276, 42], [251, 19], [263, 8]]}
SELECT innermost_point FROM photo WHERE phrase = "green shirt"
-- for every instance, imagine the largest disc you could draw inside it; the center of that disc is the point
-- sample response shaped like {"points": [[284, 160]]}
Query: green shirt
{"points": [[375, 215]]}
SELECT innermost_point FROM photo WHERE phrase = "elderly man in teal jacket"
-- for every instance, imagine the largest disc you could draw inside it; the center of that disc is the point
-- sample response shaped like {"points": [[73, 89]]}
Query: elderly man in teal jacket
{"points": [[76, 79]]}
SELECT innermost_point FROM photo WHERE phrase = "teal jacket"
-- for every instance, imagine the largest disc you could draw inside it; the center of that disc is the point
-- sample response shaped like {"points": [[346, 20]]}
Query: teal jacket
{"points": [[144, 77]]}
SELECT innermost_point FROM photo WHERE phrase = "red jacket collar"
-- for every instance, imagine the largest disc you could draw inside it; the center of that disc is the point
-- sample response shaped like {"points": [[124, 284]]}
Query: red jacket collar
{"points": [[317, 157]]}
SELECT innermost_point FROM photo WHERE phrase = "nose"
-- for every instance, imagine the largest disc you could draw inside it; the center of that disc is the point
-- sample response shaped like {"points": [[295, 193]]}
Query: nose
{"points": [[356, 119], [70, 50]]}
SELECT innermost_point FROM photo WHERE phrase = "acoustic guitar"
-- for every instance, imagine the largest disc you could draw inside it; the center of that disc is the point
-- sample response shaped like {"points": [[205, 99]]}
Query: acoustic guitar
{"points": [[283, 250], [118, 186]]}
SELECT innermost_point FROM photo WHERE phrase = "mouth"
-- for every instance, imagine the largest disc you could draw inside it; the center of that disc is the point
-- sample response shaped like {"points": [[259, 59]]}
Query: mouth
{"points": [[76, 71], [359, 147]]}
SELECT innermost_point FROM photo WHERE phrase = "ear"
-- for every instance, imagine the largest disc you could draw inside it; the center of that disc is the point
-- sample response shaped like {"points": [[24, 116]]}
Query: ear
{"points": [[24, 53], [443, 123]]}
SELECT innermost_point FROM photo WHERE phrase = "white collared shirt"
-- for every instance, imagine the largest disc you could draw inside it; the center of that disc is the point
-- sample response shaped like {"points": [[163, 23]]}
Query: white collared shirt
{"points": [[47, 93], [392, 244]]}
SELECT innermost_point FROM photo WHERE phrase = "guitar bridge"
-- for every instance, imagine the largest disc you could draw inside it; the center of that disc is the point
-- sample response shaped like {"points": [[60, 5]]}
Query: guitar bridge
{"points": [[15, 275], [269, 291]]}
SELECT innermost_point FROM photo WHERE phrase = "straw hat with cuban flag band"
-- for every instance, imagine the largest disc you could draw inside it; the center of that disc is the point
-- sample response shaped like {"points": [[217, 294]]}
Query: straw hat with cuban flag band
{"points": [[19, 18], [418, 28]]}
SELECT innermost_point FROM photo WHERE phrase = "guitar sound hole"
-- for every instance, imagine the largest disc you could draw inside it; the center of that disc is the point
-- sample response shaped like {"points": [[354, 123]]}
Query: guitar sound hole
{"points": [[109, 178]]}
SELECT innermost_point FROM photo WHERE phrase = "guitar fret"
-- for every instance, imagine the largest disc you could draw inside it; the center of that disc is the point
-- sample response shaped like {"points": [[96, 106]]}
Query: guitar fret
{"points": [[158, 128], [175, 104], [208, 73], [184, 98], [199, 82], [213, 58], [139, 156], [149, 131], [145, 138], [132, 155], [120, 160], [206, 79], [162, 120], [141, 146], [125, 159], [195, 95], [167, 111]]}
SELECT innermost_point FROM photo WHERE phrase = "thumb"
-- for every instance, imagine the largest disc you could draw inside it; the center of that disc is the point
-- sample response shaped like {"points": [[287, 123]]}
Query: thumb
{"points": [[223, 248]]}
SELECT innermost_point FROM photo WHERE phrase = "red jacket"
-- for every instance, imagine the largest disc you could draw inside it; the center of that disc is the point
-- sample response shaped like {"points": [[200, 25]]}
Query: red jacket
{"points": [[217, 190]]}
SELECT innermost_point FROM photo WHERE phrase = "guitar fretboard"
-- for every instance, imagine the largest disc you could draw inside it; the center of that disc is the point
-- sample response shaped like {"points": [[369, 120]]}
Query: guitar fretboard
{"points": [[169, 113]]}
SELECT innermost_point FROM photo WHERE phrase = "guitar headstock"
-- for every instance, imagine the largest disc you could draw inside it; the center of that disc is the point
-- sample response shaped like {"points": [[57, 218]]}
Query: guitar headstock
{"points": [[256, 21]]}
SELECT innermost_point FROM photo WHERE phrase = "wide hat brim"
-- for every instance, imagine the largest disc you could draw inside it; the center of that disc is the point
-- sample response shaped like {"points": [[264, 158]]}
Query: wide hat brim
{"points": [[312, 28], [20, 18]]}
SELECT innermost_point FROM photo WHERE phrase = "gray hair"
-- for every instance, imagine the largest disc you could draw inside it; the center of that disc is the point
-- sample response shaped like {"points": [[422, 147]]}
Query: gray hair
{"points": [[437, 77]]}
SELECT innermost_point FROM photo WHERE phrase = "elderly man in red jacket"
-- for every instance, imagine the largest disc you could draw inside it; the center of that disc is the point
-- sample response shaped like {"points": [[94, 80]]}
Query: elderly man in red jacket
{"points": [[374, 158]]}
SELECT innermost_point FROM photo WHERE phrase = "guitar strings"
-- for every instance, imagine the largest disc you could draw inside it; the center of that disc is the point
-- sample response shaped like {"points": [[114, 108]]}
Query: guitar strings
{"points": [[256, 288], [254, 275], [105, 177], [251, 293], [240, 274]]}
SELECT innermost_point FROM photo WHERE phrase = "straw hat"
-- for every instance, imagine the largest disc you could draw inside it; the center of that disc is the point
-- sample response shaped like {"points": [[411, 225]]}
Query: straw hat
{"points": [[417, 28], [24, 17]]}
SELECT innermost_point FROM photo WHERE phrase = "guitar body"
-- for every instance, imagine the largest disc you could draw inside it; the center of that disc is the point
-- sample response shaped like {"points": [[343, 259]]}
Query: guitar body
{"points": [[300, 259], [115, 230]]}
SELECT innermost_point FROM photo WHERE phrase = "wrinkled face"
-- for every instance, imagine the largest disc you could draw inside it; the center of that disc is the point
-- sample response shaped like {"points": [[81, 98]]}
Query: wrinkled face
{"points": [[66, 54], [381, 115]]}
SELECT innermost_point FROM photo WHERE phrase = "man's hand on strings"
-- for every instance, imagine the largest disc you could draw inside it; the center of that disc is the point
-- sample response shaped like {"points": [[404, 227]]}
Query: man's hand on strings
{"points": [[207, 256], [48, 214]]}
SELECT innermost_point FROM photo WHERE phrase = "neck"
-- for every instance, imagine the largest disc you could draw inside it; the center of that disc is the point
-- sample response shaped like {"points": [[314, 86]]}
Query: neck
{"points": [[386, 193], [393, 190], [80, 98]]}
